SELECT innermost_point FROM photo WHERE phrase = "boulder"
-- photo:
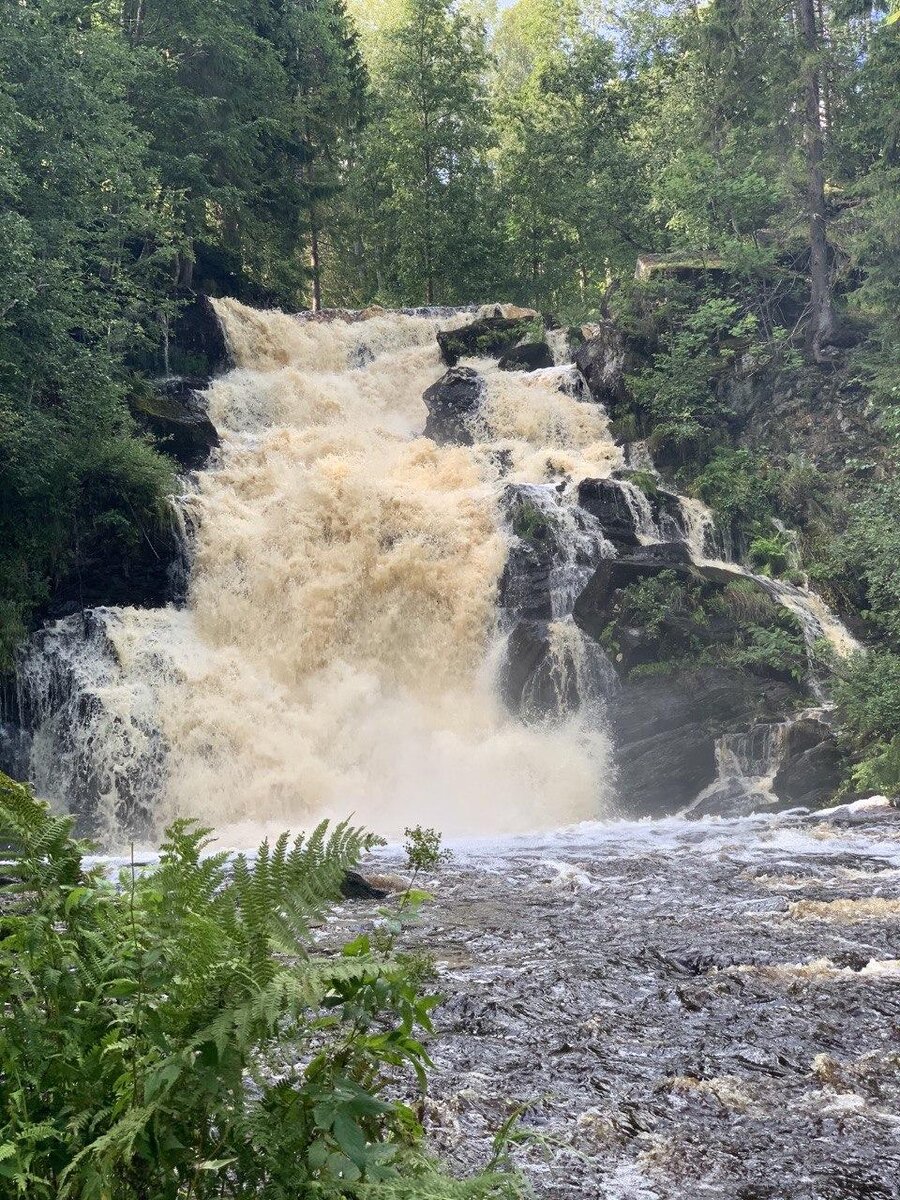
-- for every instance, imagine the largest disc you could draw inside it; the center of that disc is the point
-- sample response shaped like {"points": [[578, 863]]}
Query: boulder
{"points": [[176, 414], [532, 356], [488, 337], [812, 767], [451, 402], [356, 887], [602, 360], [197, 343]]}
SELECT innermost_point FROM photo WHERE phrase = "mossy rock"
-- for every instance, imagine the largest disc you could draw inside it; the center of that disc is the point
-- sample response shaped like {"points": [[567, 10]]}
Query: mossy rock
{"points": [[490, 337], [174, 412]]}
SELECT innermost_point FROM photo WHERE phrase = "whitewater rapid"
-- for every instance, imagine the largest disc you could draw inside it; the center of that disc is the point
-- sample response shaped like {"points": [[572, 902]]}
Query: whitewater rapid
{"points": [[340, 642]]}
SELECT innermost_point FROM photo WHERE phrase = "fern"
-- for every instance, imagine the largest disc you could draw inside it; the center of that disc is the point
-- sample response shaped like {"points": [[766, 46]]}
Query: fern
{"points": [[139, 1022]]}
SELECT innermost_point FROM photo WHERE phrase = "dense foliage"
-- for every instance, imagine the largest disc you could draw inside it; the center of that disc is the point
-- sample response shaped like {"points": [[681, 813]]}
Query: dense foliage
{"points": [[178, 1035], [407, 152], [411, 151]]}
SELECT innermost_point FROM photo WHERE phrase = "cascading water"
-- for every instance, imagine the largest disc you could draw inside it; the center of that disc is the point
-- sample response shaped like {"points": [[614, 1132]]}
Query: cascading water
{"points": [[336, 654], [342, 649]]}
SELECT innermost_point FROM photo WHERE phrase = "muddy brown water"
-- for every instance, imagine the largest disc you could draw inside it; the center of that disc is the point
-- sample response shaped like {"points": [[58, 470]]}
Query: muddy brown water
{"points": [[684, 1010]]}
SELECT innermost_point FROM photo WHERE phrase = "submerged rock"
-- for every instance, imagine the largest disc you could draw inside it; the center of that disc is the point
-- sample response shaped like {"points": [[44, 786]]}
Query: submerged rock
{"points": [[451, 402]]}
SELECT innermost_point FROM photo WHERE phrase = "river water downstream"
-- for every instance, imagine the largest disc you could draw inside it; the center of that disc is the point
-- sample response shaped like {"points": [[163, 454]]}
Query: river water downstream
{"points": [[685, 1010]]}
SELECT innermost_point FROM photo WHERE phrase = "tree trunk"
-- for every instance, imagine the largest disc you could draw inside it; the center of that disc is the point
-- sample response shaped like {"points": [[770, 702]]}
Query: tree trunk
{"points": [[314, 261], [821, 319]]}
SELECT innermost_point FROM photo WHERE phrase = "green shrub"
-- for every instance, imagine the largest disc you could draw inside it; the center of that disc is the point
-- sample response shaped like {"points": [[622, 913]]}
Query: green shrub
{"points": [[770, 554], [744, 600], [879, 769], [646, 481], [529, 522], [738, 486], [777, 647], [867, 695], [178, 1037]]}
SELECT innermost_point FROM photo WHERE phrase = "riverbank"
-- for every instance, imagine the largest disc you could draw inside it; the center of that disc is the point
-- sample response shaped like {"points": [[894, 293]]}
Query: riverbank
{"points": [[683, 1010]]}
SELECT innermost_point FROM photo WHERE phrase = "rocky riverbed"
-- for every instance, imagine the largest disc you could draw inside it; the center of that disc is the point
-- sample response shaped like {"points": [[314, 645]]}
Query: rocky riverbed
{"points": [[681, 1009]]}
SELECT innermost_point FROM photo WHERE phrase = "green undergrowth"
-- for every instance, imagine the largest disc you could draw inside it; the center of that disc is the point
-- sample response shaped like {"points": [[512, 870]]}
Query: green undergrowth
{"points": [[178, 1035], [667, 623]]}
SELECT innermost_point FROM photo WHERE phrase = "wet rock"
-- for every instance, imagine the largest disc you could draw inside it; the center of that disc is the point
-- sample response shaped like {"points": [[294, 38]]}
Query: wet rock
{"points": [[812, 766], [69, 675], [177, 416], [451, 402], [356, 887], [533, 356], [679, 691], [602, 359], [489, 337], [198, 342], [665, 730], [554, 551], [146, 573], [527, 650], [613, 504], [549, 670]]}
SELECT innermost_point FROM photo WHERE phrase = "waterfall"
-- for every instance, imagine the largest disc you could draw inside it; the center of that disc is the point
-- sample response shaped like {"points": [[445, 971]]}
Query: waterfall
{"points": [[338, 649], [373, 622]]}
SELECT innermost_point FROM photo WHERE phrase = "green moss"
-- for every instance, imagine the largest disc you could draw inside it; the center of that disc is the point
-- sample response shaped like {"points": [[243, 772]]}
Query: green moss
{"points": [[646, 481], [528, 521]]}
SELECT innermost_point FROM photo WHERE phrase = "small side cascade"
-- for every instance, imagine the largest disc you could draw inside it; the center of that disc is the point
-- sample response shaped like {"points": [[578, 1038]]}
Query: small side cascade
{"points": [[818, 622], [555, 547], [641, 513], [89, 691], [560, 347], [575, 675], [746, 766]]}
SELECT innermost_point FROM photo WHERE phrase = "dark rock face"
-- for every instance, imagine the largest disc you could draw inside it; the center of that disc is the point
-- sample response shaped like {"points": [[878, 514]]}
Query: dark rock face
{"points": [[811, 766], [541, 678], [665, 725], [602, 360], [629, 514], [66, 673], [818, 417], [665, 730], [487, 338], [198, 344], [15, 750], [146, 575], [614, 507], [533, 356], [176, 415], [451, 401]]}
